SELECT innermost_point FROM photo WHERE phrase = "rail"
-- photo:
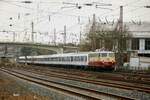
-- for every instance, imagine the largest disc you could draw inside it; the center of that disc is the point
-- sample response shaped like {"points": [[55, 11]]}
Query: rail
{"points": [[74, 90]]}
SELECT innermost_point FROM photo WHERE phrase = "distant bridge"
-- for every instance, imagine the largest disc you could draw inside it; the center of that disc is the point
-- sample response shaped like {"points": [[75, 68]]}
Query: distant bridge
{"points": [[56, 48]]}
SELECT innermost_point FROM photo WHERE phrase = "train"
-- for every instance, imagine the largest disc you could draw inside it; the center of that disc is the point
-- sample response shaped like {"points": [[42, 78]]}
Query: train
{"points": [[100, 59]]}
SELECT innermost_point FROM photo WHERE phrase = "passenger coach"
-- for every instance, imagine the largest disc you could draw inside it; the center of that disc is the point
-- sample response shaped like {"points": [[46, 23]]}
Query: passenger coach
{"points": [[102, 59]]}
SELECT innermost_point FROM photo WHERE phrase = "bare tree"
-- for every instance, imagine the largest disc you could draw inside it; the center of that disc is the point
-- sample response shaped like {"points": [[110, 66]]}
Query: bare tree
{"points": [[106, 36]]}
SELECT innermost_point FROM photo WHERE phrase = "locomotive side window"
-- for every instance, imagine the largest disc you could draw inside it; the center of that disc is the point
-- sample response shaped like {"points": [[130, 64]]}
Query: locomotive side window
{"points": [[103, 54], [111, 55]]}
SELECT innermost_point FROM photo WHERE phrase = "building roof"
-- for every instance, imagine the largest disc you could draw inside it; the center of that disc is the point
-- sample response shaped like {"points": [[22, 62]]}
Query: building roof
{"points": [[131, 26], [138, 27]]}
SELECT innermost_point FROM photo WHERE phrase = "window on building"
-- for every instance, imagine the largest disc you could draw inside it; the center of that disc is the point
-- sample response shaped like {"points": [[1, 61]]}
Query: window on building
{"points": [[135, 44], [147, 44]]}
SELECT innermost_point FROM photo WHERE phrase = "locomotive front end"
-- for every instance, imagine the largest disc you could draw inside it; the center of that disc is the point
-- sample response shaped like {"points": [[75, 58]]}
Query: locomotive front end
{"points": [[105, 60]]}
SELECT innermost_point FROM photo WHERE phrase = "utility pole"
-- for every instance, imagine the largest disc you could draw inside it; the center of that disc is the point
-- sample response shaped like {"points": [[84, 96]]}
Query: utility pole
{"points": [[32, 35], [121, 19], [93, 42], [120, 40], [54, 36], [14, 36], [80, 37], [65, 35], [5, 50]]}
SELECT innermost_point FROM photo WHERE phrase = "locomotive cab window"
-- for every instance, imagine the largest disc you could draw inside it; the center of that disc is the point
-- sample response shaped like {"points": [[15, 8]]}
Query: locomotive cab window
{"points": [[103, 55]]}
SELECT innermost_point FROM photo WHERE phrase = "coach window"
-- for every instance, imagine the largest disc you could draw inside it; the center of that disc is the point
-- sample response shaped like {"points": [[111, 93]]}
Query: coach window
{"points": [[59, 59], [78, 58], [74, 58], [65, 58], [71, 58], [85, 58], [68, 59], [52, 59], [147, 44], [44, 59], [55, 58], [81, 58]]}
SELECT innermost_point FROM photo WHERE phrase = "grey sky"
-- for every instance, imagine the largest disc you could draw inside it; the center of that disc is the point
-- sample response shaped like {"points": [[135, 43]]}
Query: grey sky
{"points": [[39, 11]]}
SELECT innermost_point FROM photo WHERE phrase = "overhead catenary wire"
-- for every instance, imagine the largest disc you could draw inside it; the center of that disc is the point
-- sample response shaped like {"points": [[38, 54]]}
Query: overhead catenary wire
{"points": [[118, 8], [53, 13], [41, 10]]}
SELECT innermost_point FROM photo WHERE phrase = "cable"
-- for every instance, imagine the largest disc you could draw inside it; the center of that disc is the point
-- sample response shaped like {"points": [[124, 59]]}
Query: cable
{"points": [[40, 10], [118, 8]]}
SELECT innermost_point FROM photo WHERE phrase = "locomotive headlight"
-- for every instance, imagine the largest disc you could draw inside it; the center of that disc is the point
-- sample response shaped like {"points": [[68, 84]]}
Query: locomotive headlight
{"points": [[103, 61]]}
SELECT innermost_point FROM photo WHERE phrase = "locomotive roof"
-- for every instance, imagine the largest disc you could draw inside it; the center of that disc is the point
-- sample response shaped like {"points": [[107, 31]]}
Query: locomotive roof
{"points": [[67, 54]]}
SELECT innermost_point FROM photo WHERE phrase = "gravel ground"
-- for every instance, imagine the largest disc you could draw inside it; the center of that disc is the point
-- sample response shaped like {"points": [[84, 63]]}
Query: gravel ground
{"points": [[11, 90], [129, 93]]}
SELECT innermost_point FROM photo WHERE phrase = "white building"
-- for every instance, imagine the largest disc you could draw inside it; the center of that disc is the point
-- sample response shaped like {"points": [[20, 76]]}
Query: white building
{"points": [[140, 42], [140, 38]]}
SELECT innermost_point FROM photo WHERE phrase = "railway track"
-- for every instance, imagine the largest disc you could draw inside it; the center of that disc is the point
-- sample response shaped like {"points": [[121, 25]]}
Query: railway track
{"points": [[116, 84], [116, 76], [88, 94]]}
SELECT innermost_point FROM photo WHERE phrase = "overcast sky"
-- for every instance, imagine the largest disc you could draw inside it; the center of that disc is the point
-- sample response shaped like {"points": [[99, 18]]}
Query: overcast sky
{"points": [[50, 14]]}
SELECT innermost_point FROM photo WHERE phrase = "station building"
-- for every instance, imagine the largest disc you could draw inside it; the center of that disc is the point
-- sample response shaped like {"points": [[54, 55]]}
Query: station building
{"points": [[140, 38], [140, 42]]}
